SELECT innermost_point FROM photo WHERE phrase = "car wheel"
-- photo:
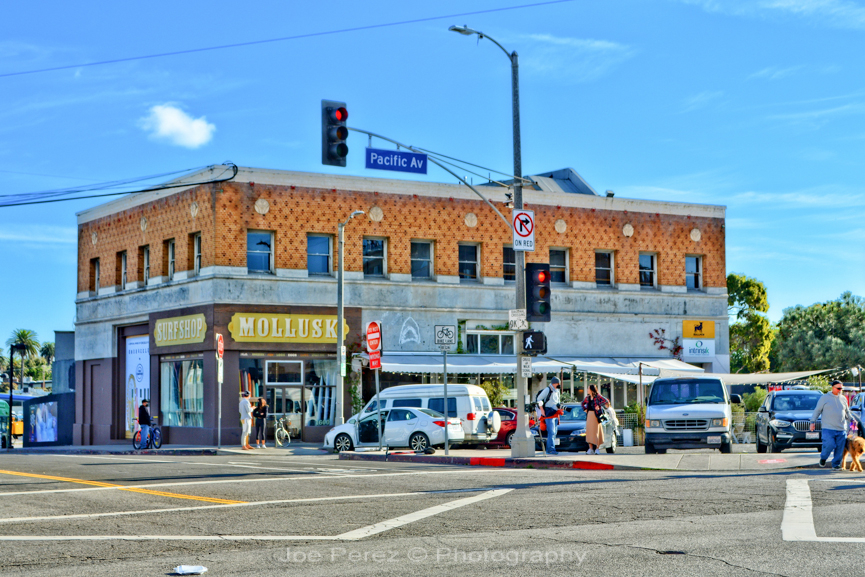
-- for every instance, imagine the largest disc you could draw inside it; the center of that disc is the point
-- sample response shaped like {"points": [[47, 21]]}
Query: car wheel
{"points": [[509, 440], [343, 443], [771, 447], [761, 448], [613, 444], [418, 442], [727, 447], [650, 448]]}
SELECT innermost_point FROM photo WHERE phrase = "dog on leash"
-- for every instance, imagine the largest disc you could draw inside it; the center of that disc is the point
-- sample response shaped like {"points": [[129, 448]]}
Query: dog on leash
{"points": [[855, 446]]}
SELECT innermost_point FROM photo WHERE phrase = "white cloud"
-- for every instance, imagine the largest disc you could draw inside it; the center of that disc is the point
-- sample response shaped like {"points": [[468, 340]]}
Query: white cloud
{"points": [[41, 234], [575, 59], [701, 100], [166, 122], [835, 13], [775, 73]]}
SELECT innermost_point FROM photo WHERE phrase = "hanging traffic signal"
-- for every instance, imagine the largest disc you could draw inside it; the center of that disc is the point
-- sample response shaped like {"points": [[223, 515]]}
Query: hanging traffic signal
{"points": [[334, 132], [538, 294]]}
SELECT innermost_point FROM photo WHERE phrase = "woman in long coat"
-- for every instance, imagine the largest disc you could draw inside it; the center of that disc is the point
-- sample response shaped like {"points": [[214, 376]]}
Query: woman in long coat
{"points": [[594, 405]]}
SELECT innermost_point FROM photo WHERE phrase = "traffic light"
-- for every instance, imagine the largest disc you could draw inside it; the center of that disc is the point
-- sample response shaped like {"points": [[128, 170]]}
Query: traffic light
{"points": [[333, 133], [538, 294], [534, 343]]}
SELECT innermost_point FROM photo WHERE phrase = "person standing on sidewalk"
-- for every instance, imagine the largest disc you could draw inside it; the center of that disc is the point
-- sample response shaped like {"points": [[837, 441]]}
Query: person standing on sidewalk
{"points": [[246, 420], [594, 405], [144, 422], [836, 416], [260, 414], [549, 401]]}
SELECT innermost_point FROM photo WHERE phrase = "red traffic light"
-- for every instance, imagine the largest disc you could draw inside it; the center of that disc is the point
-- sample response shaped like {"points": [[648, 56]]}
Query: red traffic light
{"points": [[542, 276], [339, 114]]}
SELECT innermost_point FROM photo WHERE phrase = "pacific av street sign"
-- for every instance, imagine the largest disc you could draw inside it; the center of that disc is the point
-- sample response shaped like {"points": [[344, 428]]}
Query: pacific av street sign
{"points": [[396, 160]]}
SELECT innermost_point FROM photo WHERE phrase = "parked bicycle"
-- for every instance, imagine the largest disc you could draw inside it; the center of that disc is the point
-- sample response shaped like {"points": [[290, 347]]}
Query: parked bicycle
{"points": [[155, 439], [281, 432]]}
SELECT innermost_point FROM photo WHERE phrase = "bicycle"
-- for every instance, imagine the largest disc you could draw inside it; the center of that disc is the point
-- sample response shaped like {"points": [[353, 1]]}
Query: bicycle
{"points": [[154, 440], [281, 432]]}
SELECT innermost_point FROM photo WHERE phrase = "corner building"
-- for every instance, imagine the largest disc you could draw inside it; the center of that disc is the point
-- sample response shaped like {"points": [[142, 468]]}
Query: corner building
{"points": [[254, 259]]}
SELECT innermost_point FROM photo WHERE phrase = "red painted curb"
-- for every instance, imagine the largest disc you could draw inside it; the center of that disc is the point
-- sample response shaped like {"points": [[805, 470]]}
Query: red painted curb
{"points": [[487, 461]]}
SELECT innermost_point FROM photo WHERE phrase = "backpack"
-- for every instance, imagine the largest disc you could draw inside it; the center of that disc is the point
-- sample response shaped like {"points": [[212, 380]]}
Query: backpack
{"points": [[541, 392]]}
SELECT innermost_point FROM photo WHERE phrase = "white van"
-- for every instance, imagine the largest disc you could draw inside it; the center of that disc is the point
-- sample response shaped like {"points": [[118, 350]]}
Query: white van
{"points": [[689, 413], [469, 403]]}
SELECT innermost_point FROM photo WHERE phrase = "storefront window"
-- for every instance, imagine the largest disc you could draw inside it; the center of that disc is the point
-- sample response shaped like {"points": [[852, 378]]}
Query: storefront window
{"points": [[319, 393], [181, 386], [284, 372]]}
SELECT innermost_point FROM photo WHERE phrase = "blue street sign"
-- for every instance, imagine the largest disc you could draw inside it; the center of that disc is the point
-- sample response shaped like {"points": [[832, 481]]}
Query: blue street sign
{"points": [[397, 160]]}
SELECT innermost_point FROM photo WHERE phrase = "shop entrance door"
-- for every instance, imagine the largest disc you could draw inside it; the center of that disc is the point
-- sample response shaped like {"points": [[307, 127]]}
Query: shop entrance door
{"points": [[285, 401]]}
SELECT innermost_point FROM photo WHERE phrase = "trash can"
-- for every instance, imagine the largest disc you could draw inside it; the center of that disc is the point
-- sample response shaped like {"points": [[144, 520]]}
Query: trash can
{"points": [[628, 437]]}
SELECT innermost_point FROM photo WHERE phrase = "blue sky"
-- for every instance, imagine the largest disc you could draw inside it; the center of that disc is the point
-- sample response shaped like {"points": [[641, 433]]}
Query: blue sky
{"points": [[758, 105]]}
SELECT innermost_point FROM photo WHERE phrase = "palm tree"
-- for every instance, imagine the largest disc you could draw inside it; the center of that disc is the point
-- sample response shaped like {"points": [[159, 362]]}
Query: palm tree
{"points": [[30, 341], [47, 352]]}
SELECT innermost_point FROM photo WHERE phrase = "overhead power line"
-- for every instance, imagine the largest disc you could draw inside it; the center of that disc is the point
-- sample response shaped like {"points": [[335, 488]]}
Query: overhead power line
{"points": [[282, 39]]}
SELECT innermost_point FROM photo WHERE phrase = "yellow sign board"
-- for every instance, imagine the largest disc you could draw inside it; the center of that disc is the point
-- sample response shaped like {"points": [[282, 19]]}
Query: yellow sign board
{"points": [[271, 328], [698, 329], [186, 330]]}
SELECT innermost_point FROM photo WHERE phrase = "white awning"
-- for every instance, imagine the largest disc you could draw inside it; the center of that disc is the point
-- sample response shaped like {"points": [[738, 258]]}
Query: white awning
{"points": [[765, 378], [399, 362]]}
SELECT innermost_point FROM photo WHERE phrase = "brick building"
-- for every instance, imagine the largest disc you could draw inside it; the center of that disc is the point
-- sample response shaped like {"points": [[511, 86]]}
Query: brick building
{"points": [[254, 258]]}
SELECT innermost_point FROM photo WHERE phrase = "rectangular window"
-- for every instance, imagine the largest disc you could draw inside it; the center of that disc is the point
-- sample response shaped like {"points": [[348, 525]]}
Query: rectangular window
{"points": [[489, 344], [144, 264], [417, 403], [509, 266], [558, 265], [168, 268], [421, 259], [94, 276], [181, 392], [285, 372], [122, 272], [259, 251], [648, 271], [604, 269], [468, 261], [694, 272], [318, 254], [196, 253], [492, 343], [438, 405], [472, 344], [373, 257]]}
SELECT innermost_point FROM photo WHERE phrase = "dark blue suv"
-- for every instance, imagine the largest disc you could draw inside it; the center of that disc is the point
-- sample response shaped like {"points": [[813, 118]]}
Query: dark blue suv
{"points": [[784, 421]]}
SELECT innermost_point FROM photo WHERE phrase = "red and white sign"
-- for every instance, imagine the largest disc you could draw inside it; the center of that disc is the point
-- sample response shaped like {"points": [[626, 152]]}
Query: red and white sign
{"points": [[373, 337], [220, 345], [375, 360], [523, 222]]}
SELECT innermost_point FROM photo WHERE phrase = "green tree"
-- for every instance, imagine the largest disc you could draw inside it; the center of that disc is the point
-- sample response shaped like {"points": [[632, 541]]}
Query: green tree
{"points": [[752, 401], [30, 341], [751, 334], [821, 336], [496, 391], [46, 351], [820, 383]]}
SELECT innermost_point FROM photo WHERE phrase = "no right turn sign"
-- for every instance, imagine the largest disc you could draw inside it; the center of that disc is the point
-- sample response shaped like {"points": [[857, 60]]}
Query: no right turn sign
{"points": [[524, 230]]}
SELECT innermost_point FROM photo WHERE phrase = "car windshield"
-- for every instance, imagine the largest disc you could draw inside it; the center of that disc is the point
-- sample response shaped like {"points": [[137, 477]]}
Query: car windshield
{"points": [[795, 402], [434, 414], [686, 391], [573, 413]]}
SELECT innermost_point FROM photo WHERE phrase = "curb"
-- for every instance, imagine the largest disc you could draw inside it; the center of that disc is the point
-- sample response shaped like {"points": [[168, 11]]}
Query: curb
{"points": [[490, 462], [176, 452]]}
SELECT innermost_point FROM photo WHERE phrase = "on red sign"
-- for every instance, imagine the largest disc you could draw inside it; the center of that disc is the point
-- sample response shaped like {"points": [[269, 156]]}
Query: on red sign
{"points": [[373, 336], [220, 345]]}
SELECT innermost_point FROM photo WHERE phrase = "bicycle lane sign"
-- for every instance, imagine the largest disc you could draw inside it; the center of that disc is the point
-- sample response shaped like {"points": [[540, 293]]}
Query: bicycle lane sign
{"points": [[524, 230], [445, 336]]}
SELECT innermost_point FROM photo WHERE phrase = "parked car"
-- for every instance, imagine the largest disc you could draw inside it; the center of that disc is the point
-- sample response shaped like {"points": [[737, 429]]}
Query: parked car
{"points": [[468, 403], [689, 413], [784, 421], [508, 418], [571, 434], [857, 407], [418, 429]]}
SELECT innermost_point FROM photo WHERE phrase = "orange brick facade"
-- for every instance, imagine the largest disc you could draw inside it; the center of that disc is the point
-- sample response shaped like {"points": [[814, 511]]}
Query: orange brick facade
{"points": [[225, 211]]}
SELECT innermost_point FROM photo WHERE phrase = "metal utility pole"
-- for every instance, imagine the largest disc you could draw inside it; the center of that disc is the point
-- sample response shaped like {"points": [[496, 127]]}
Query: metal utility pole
{"points": [[340, 331], [11, 387]]}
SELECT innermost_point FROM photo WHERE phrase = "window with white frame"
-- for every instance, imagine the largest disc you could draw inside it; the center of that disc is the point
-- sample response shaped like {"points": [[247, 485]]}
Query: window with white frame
{"points": [[558, 265], [196, 253], [169, 251], [489, 343], [144, 253], [318, 254], [509, 263], [604, 268], [123, 270], [374, 257], [469, 258], [259, 251], [694, 272], [648, 270], [94, 276], [421, 259]]}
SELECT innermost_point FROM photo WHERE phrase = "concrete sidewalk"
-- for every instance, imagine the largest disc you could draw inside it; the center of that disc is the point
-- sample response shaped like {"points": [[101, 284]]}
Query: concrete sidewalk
{"points": [[125, 448], [682, 461]]}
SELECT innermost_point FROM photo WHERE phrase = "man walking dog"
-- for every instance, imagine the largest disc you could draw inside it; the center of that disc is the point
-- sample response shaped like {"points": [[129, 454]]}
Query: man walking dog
{"points": [[836, 416]]}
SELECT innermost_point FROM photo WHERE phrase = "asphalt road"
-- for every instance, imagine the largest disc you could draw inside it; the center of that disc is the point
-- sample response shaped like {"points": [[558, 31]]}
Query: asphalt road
{"points": [[315, 515]]}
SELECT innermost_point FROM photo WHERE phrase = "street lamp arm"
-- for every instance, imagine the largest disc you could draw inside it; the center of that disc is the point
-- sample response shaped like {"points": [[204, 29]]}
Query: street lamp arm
{"points": [[466, 31]]}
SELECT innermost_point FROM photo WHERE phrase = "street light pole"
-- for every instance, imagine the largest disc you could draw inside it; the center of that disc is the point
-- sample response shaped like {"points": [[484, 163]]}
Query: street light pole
{"points": [[11, 377], [339, 419], [524, 444]]}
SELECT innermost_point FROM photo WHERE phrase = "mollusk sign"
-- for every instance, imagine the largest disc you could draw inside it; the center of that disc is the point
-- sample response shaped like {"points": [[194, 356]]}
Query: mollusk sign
{"points": [[276, 328]]}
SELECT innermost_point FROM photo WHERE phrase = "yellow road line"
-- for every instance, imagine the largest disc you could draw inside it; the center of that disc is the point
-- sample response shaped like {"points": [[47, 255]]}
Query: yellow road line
{"points": [[122, 488]]}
